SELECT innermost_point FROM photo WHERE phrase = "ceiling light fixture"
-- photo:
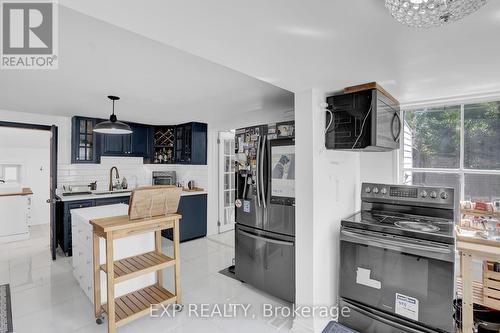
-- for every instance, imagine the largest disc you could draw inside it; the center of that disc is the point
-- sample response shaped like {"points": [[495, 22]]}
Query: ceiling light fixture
{"points": [[113, 126], [431, 13]]}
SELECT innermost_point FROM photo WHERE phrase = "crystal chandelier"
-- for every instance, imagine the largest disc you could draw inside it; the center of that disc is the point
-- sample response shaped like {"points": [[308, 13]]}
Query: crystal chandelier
{"points": [[431, 13]]}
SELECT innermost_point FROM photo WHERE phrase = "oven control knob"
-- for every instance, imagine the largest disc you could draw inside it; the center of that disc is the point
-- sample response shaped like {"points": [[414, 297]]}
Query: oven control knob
{"points": [[383, 190], [444, 195], [423, 194], [368, 190], [433, 195], [375, 190]]}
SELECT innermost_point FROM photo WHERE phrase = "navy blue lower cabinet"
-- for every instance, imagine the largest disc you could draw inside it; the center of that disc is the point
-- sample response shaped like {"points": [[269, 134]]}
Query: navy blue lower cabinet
{"points": [[63, 217], [193, 224], [111, 201], [63, 222]]}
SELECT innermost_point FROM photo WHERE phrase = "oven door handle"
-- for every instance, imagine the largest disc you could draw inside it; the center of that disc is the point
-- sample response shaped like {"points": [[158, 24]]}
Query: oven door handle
{"points": [[382, 319], [386, 243]]}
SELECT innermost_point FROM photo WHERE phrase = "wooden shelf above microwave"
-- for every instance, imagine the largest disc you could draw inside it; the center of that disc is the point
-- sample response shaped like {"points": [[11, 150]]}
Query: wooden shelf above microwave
{"points": [[369, 86]]}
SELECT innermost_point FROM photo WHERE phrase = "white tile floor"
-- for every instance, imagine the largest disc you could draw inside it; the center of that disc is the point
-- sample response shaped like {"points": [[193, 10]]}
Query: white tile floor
{"points": [[46, 297]]}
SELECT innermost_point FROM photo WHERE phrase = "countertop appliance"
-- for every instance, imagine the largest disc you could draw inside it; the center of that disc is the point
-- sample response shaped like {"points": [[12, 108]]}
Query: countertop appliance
{"points": [[397, 260], [265, 208], [366, 119], [164, 178]]}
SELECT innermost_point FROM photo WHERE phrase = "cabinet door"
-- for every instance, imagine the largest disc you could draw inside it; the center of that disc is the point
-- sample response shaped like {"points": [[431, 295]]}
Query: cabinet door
{"points": [[199, 144], [83, 141], [116, 144], [188, 136], [193, 209], [141, 140], [179, 144], [65, 242]]}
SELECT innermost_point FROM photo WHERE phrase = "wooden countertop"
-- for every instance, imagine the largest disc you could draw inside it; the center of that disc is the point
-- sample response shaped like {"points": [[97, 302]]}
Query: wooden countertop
{"points": [[24, 191], [123, 222]]}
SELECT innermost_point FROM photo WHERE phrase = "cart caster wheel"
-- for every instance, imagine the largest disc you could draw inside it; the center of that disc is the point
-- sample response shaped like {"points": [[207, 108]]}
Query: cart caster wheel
{"points": [[99, 321], [178, 307]]}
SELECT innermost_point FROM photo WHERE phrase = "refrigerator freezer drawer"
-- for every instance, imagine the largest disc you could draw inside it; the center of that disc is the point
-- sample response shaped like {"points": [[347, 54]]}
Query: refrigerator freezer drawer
{"points": [[266, 261]]}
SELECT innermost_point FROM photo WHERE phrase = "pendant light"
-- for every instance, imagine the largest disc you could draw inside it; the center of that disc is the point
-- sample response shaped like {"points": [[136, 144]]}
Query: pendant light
{"points": [[112, 126]]}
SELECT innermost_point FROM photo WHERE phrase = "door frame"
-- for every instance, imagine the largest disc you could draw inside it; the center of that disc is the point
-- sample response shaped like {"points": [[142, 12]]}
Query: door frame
{"points": [[53, 173], [221, 227]]}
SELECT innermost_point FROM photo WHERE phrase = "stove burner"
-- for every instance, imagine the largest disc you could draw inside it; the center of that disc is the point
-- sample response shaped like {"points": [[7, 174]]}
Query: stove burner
{"points": [[419, 226]]}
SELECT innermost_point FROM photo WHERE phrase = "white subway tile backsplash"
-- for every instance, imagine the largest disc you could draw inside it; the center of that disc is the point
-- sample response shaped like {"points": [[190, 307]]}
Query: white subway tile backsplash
{"points": [[132, 168]]}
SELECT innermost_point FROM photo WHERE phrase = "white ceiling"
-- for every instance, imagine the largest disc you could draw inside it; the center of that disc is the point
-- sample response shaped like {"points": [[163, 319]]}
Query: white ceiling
{"points": [[330, 44], [157, 83]]}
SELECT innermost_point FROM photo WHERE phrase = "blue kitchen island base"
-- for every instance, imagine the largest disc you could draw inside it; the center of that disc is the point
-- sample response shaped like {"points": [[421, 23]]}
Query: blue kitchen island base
{"points": [[193, 209]]}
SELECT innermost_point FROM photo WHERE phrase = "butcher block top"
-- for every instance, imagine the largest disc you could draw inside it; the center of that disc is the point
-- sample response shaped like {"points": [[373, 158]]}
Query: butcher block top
{"points": [[123, 222], [24, 191]]}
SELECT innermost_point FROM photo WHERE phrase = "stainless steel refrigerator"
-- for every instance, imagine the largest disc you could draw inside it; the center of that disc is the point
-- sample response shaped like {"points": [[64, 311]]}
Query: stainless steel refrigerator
{"points": [[265, 208]]}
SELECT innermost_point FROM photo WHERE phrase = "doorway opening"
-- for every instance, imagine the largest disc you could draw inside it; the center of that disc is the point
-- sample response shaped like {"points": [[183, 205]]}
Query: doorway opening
{"points": [[28, 181], [226, 177]]}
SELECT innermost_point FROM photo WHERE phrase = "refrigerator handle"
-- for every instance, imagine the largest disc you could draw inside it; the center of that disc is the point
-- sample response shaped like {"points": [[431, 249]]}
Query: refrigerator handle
{"points": [[245, 187], [268, 240], [258, 171], [261, 179]]}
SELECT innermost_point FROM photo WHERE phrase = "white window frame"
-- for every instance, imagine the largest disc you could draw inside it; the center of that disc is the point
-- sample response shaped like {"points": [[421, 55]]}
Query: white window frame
{"points": [[9, 165], [461, 171]]}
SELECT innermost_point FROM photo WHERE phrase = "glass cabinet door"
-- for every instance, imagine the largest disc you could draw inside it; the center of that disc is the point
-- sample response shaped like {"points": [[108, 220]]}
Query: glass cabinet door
{"points": [[84, 147]]}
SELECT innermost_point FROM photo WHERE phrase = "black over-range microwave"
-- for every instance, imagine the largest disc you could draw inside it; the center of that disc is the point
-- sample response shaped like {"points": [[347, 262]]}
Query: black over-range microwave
{"points": [[363, 120]]}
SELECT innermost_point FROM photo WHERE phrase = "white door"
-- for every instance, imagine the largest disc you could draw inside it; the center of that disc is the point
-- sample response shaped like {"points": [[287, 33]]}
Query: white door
{"points": [[226, 181]]}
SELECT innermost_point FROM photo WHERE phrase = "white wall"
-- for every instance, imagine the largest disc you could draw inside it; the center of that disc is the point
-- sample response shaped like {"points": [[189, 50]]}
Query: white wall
{"points": [[63, 124], [379, 167], [327, 190], [33, 155]]}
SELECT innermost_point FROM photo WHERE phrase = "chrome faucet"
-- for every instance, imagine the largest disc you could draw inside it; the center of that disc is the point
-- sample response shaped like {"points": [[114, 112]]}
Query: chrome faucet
{"points": [[111, 186], [2, 181]]}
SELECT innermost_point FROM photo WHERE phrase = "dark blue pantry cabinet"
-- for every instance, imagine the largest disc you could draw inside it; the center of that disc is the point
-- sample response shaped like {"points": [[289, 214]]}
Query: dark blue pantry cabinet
{"points": [[193, 224], [63, 217]]}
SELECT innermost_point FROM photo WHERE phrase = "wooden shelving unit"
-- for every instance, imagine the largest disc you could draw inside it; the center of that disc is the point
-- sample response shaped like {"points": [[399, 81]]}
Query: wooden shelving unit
{"points": [[137, 304], [129, 268], [476, 212], [124, 309], [472, 248]]}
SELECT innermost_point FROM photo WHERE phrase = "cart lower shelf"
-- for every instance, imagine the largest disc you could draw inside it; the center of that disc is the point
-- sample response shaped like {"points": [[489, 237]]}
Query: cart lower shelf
{"points": [[137, 304]]}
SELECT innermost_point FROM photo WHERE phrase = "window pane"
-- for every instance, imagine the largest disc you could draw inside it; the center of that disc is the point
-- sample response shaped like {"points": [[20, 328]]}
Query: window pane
{"points": [[81, 154], [432, 138], [89, 126], [484, 188], [11, 173], [433, 179], [482, 136]]}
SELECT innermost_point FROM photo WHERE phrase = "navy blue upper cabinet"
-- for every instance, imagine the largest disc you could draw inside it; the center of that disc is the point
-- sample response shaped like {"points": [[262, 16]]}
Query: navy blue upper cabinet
{"points": [[116, 144], [84, 142], [191, 143], [137, 144], [142, 140], [187, 143]]}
